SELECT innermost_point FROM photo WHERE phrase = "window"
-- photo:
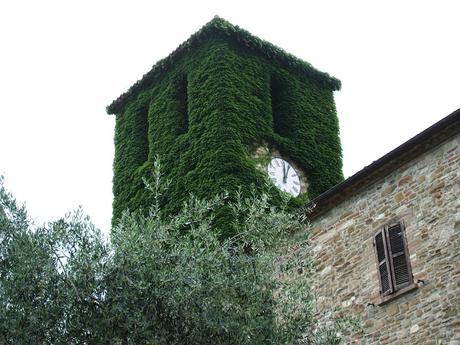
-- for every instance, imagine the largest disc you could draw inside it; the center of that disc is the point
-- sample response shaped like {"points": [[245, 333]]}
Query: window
{"points": [[280, 103], [181, 104], [392, 256]]}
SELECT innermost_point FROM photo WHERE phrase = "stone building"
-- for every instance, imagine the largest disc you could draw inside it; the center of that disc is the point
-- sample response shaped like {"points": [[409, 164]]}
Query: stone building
{"points": [[386, 242]]}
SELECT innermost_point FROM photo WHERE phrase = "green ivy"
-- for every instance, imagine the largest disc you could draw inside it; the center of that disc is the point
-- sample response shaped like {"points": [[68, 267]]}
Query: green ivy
{"points": [[203, 109]]}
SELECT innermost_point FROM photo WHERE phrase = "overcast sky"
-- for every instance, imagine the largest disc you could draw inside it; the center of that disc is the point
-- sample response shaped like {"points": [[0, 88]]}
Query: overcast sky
{"points": [[62, 62]]}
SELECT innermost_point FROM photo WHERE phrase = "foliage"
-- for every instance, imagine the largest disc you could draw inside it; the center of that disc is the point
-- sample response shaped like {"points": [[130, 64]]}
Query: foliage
{"points": [[204, 109], [220, 27], [51, 278], [161, 281]]}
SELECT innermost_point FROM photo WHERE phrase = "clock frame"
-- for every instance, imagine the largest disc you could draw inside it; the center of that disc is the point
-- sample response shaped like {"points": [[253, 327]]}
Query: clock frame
{"points": [[263, 154], [284, 176]]}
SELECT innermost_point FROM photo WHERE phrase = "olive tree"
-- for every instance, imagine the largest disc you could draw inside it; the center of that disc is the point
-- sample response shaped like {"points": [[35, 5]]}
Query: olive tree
{"points": [[160, 280]]}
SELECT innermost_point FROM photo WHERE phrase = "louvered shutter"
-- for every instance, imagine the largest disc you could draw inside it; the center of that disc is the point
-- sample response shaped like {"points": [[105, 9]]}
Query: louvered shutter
{"points": [[383, 265], [398, 255]]}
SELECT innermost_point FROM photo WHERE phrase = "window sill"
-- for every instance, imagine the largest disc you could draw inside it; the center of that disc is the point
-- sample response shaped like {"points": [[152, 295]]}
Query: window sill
{"points": [[382, 300]]}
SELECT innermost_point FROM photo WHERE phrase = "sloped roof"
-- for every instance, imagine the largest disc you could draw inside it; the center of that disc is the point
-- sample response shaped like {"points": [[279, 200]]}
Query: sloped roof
{"points": [[219, 27], [422, 142]]}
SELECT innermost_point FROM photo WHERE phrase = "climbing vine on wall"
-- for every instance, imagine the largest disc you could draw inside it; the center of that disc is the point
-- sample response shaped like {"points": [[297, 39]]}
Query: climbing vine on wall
{"points": [[205, 107]]}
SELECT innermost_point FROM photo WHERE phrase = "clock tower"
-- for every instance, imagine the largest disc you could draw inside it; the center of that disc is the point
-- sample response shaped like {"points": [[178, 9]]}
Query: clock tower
{"points": [[226, 110]]}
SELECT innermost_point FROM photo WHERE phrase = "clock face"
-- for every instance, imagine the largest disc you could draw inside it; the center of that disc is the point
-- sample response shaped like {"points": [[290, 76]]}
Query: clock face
{"points": [[284, 176]]}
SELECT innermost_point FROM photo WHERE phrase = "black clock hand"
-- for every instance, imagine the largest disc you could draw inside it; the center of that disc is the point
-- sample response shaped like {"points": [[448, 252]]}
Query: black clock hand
{"points": [[284, 172]]}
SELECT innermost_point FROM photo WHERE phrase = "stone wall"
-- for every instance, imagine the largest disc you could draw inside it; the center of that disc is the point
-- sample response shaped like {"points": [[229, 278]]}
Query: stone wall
{"points": [[425, 194]]}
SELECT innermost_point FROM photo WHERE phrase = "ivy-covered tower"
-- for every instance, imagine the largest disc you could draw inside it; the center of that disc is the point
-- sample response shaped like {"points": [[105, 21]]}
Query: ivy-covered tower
{"points": [[226, 110]]}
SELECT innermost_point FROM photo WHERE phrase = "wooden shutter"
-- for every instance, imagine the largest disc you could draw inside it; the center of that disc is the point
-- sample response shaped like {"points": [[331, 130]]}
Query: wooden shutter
{"points": [[383, 266], [398, 256]]}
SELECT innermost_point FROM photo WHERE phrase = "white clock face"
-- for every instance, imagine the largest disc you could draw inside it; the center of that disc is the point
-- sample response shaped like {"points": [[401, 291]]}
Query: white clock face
{"points": [[284, 176]]}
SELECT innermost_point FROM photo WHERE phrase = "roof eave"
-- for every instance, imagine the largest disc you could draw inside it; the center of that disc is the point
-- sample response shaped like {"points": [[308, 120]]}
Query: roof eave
{"points": [[422, 142]]}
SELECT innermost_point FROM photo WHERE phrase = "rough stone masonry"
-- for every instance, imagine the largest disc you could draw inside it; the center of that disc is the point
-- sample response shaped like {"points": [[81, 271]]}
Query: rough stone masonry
{"points": [[424, 194]]}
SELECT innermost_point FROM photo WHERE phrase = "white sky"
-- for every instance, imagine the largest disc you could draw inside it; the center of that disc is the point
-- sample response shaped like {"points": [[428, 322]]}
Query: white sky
{"points": [[62, 62]]}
